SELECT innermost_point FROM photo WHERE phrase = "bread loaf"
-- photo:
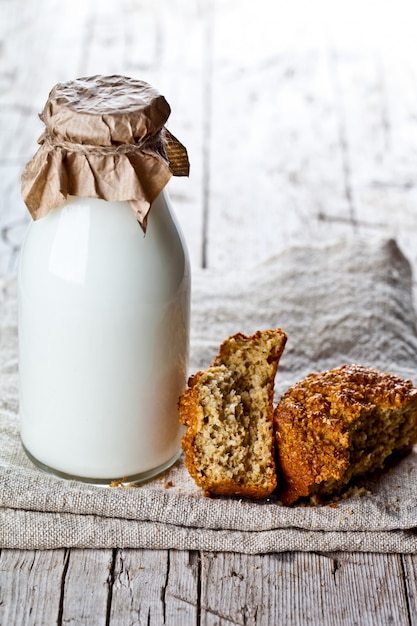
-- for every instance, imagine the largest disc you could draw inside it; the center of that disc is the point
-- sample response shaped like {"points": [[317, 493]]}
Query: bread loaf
{"points": [[228, 411], [339, 424]]}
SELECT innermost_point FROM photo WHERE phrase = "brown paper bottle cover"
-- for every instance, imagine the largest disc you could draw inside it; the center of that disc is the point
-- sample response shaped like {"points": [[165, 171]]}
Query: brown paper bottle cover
{"points": [[104, 138]]}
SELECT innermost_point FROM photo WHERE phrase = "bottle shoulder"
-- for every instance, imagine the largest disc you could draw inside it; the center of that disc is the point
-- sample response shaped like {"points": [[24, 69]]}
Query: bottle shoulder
{"points": [[98, 247]]}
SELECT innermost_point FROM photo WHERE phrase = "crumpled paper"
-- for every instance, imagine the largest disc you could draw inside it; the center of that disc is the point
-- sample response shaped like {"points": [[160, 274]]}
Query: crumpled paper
{"points": [[104, 138]]}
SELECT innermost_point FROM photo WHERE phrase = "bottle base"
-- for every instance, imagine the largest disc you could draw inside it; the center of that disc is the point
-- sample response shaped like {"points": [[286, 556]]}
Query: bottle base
{"points": [[133, 480]]}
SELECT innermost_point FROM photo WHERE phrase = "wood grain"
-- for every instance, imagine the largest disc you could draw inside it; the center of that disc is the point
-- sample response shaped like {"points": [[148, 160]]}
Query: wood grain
{"points": [[174, 587], [86, 587], [303, 588], [154, 587], [30, 586]]}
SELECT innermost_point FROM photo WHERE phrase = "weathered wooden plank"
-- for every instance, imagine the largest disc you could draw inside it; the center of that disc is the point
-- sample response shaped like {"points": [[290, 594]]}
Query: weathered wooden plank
{"points": [[86, 587], [154, 587], [157, 587], [41, 45], [380, 134], [182, 590], [13, 217], [368, 589], [275, 158], [302, 129], [409, 562], [31, 585], [302, 588]]}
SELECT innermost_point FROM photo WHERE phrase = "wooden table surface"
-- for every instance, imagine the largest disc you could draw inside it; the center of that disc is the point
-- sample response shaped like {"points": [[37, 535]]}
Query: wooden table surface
{"points": [[301, 124]]}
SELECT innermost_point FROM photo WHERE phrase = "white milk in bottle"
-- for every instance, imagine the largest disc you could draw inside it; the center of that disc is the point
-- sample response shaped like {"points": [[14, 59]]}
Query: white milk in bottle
{"points": [[104, 286]]}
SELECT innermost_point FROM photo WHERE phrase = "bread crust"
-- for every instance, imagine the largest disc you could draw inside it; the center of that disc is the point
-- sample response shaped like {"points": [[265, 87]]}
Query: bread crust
{"points": [[233, 350], [338, 424]]}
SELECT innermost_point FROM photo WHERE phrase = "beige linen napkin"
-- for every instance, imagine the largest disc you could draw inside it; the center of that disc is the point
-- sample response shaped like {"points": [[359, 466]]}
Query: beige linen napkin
{"points": [[346, 302]]}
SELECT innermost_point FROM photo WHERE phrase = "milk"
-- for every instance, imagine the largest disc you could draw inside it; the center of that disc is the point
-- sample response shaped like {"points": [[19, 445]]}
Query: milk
{"points": [[103, 340]]}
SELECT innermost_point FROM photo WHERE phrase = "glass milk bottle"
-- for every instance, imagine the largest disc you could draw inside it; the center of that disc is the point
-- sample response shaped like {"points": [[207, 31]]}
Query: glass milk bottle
{"points": [[104, 286]]}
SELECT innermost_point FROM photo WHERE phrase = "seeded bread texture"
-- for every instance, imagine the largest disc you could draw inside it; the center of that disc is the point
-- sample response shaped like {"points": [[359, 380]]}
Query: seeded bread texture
{"points": [[336, 425], [228, 411]]}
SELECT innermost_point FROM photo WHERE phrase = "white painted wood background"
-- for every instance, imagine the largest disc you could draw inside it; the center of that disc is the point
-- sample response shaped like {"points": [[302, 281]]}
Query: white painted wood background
{"points": [[300, 119]]}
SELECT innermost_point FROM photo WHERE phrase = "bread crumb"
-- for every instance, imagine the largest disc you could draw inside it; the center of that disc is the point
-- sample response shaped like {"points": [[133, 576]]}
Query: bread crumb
{"points": [[118, 483]]}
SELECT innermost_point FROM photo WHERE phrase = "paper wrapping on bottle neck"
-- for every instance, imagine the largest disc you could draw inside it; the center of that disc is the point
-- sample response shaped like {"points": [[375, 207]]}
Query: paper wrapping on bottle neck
{"points": [[104, 138]]}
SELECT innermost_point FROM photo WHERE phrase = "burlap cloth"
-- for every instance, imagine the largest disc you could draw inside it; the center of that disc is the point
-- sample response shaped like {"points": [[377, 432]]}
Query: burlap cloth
{"points": [[350, 301]]}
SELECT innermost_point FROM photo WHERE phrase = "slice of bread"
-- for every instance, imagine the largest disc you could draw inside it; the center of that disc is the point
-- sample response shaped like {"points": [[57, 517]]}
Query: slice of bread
{"points": [[339, 424], [228, 411]]}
